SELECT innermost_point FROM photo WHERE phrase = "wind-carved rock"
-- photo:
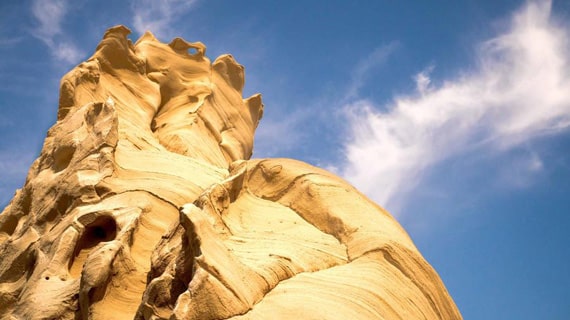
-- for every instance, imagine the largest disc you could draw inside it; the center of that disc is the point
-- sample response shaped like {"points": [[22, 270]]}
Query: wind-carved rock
{"points": [[144, 204]]}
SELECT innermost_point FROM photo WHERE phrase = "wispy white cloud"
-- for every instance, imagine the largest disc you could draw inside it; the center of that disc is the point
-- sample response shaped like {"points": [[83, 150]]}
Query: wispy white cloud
{"points": [[519, 90], [67, 51], [49, 15], [276, 136], [283, 134], [521, 171], [158, 16], [423, 80], [10, 41], [359, 75]]}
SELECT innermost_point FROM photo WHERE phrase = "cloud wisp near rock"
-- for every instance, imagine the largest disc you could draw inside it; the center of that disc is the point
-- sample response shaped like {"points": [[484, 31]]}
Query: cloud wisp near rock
{"points": [[158, 15], [49, 15], [517, 91]]}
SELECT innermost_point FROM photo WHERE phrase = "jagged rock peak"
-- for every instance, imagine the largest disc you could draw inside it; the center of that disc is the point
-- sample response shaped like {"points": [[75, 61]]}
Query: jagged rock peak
{"points": [[144, 204], [172, 92]]}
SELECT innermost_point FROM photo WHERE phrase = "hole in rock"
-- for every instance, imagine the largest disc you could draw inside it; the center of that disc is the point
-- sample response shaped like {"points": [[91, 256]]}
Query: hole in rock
{"points": [[103, 191], [102, 229], [31, 264], [98, 293], [10, 224], [62, 157], [192, 51], [63, 203], [20, 262], [61, 206], [97, 108]]}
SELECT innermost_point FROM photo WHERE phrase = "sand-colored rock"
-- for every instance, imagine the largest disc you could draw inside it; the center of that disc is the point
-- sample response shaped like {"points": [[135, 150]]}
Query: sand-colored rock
{"points": [[144, 204]]}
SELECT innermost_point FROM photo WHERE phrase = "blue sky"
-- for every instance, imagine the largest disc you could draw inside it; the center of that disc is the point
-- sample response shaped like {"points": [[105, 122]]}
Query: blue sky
{"points": [[454, 115]]}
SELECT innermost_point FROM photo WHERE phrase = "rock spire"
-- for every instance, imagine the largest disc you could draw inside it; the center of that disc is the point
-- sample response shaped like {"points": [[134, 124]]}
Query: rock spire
{"points": [[144, 204]]}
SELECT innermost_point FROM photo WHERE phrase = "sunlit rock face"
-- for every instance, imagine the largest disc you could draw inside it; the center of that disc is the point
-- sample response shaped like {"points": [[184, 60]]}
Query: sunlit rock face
{"points": [[143, 204]]}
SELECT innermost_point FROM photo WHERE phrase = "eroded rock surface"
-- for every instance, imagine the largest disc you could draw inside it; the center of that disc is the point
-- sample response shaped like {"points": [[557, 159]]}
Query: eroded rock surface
{"points": [[144, 204]]}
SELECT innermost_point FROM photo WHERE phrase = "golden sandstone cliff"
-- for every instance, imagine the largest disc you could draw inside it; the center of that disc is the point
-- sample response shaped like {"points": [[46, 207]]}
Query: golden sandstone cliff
{"points": [[144, 204]]}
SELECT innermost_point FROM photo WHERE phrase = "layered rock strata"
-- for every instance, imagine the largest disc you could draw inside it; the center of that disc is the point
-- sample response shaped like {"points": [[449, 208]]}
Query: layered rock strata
{"points": [[143, 204]]}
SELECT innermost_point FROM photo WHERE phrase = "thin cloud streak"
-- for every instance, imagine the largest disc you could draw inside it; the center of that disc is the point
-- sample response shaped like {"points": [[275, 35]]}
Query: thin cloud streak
{"points": [[359, 75], [157, 16], [49, 15], [269, 136], [8, 42], [517, 92]]}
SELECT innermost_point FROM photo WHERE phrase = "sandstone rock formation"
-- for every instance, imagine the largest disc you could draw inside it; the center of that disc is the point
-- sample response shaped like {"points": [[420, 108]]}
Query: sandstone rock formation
{"points": [[143, 204]]}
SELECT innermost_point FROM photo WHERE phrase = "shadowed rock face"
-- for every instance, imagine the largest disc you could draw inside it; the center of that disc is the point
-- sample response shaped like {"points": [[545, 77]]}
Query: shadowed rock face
{"points": [[144, 204]]}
